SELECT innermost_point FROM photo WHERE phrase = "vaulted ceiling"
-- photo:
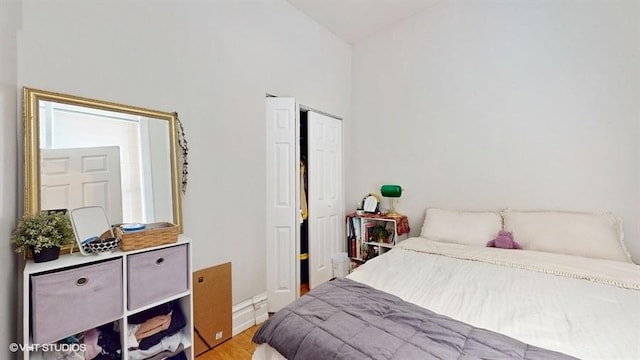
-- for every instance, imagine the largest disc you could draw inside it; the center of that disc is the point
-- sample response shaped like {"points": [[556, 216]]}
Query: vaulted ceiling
{"points": [[355, 20]]}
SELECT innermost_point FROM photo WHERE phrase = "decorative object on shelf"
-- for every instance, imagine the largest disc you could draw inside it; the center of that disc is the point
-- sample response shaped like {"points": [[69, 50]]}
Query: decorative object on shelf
{"points": [[370, 203], [132, 227], [394, 192], [46, 254], [182, 142], [44, 233], [379, 233], [93, 230], [152, 235], [369, 252], [101, 245]]}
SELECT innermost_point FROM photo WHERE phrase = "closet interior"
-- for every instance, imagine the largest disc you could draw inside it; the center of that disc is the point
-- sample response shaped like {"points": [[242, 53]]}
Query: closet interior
{"points": [[304, 209]]}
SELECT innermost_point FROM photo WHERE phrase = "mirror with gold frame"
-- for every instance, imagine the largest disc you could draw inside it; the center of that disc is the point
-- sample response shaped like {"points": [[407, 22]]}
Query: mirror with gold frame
{"points": [[85, 152]]}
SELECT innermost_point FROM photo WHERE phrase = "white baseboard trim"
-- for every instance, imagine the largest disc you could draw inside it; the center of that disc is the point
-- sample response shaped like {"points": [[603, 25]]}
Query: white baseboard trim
{"points": [[248, 313], [260, 308], [243, 317]]}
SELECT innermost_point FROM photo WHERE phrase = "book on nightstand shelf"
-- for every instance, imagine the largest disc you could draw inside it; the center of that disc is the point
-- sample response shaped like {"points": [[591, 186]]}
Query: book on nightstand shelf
{"points": [[370, 235], [368, 231]]}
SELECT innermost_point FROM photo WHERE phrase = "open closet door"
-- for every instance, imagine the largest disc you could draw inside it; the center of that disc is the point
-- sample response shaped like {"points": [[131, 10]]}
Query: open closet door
{"points": [[282, 212], [325, 195]]}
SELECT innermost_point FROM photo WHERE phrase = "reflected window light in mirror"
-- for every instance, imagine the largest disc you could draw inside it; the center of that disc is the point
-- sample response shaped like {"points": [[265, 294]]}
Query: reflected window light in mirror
{"points": [[68, 127]]}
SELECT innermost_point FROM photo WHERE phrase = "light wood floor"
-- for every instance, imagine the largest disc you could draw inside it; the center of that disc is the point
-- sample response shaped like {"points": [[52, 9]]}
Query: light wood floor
{"points": [[238, 347]]}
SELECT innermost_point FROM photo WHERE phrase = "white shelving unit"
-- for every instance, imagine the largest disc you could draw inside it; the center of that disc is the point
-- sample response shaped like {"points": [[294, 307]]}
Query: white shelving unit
{"points": [[361, 242], [76, 263]]}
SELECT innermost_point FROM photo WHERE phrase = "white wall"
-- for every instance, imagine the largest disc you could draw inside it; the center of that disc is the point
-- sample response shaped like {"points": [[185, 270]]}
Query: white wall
{"points": [[491, 104], [212, 62], [9, 15]]}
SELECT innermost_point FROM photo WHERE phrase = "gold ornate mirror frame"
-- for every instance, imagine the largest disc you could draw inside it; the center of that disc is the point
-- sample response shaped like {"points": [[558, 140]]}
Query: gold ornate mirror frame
{"points": [[32, 99]]}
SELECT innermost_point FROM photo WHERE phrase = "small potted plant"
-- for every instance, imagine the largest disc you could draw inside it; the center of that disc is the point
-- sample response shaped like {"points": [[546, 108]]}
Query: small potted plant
{"points": [[44, 233], [380, 233]]}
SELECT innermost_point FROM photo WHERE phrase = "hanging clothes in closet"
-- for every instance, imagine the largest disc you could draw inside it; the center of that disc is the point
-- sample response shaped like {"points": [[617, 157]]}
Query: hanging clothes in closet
{"points": [[304, 210], [304, 201]]}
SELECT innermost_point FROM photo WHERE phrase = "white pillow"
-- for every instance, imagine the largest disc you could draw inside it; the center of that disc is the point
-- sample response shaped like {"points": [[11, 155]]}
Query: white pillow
{"points": [[584, 234], [461, 227]]}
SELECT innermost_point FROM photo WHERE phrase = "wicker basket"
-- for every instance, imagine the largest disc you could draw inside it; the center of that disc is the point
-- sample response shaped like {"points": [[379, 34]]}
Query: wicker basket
{"points": [[153, 235]]}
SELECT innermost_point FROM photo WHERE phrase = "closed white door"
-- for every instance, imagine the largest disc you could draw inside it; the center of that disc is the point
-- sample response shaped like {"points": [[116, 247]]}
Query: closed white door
{"points": [[326, 232], [78, 177], [282, 212]]}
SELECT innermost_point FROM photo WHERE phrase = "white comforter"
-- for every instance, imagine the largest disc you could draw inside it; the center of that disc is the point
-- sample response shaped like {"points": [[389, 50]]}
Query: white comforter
{"points": [[581, 307]]}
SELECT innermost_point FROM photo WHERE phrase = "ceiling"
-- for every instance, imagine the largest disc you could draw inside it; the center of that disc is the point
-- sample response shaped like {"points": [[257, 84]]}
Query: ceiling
{"points": [[355, 20]]}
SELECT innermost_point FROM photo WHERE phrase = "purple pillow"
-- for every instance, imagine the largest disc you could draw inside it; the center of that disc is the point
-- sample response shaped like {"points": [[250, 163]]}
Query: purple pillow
{"points": [[504, 240]]}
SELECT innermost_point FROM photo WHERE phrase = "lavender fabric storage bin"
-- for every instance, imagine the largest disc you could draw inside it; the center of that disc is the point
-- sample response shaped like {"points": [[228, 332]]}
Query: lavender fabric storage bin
{"points": [[71, 301], [156, 274]]}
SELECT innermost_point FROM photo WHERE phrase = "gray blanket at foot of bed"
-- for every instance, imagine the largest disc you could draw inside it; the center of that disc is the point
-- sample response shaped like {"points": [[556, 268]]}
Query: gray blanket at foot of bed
{"points": [[344, 319]]}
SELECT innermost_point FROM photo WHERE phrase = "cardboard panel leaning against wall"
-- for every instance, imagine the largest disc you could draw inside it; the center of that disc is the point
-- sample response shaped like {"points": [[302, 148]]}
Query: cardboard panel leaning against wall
{"points": [[211, 307]]}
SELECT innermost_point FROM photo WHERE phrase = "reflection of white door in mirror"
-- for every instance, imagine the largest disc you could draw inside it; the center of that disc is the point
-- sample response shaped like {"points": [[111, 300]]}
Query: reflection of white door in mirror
{"points": [[73, 178], [145, 186]]}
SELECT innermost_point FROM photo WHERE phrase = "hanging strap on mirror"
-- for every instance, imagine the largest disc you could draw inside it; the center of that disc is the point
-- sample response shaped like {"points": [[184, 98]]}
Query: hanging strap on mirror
{"points": [[182, 142]]}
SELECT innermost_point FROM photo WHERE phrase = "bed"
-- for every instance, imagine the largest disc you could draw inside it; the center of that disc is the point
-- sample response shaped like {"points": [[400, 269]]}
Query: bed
{"points": [[572, 291]]}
